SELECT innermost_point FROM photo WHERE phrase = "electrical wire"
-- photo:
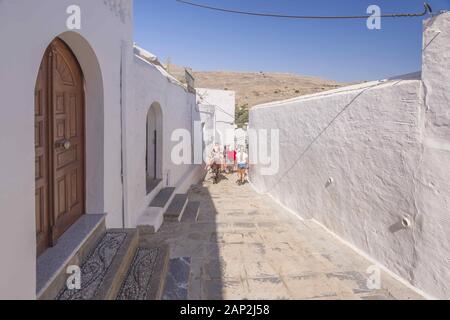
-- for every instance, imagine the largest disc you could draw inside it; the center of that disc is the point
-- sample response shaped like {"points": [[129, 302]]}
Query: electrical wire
{"points": [[427, 10]]}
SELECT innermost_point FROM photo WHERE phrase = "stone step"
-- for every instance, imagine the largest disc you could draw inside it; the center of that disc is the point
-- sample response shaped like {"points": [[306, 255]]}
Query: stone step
{"points": [[152, 184], [191, 212], [163, 198], [145, 279], [176, 208], [71, 249], [153, 217], [177, 280], [104, 269]]}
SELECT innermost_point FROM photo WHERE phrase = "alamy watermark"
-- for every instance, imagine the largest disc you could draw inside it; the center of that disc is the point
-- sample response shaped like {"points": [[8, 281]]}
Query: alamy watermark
{"points": [[73, 21], [73, 281], [374, 21], [374, 280], [264, 151]]}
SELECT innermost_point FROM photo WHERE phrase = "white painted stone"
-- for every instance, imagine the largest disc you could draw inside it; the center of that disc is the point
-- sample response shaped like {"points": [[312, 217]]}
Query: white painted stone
{"points": [[152, 217], [222, 104], [152, 84], [120, 88], [386, 146], [97, 46], [241, 137]]}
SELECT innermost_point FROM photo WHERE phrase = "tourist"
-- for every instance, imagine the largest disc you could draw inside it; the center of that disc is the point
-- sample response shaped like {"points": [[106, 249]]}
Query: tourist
{"points": [[242, 163], [234, 160], [215, 162], [230, 160], [224, 157]]}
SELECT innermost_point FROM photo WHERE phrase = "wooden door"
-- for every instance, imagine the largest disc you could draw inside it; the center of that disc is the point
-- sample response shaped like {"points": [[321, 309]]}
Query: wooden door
{"points": [[60, 145]]}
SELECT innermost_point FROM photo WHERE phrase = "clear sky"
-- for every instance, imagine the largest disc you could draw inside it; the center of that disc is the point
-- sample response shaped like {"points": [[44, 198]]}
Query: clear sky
{"points": [[341, 50]]}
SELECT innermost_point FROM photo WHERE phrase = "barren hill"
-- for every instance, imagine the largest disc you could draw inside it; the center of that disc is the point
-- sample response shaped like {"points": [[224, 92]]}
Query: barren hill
{"points": [[253, 88]]}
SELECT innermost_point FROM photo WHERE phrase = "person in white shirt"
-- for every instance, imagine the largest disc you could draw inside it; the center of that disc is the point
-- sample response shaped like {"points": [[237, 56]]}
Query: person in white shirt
{"points": [[242, 164]]}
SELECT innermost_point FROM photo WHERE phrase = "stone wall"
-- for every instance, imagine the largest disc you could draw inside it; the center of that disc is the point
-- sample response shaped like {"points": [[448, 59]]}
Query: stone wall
{"points": [[367, 160], [102, 46], [224, 104], [152, 84]]}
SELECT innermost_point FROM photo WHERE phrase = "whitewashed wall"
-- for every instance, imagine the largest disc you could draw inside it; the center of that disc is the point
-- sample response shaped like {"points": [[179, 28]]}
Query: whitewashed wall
{"points": [[385, 148], [207, 117], [241, 137], [152, 84], [432, 183], [26, 29], [224, 103]]}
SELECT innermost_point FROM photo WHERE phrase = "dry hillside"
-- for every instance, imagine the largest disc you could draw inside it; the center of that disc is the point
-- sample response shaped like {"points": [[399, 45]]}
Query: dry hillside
{"points": [[256, 88]]}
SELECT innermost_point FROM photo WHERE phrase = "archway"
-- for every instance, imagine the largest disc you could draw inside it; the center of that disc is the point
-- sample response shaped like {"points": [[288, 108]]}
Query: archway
{"points": [[95, 118], [60, 164], [69, 87], [154, 147]]}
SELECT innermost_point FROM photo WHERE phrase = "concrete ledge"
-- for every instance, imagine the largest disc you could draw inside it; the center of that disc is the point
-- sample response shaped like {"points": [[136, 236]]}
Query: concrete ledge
{"points": [[152, 219], [72, 248], [192, 177], [153, 216]]}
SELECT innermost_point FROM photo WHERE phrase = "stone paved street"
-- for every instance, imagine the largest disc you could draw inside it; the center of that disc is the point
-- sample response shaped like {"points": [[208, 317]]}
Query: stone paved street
{"points": [[245, 246]]}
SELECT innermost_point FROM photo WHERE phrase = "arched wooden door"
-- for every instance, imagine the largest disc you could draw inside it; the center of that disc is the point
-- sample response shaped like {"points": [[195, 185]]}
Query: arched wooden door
{"points": [[59, 144]]}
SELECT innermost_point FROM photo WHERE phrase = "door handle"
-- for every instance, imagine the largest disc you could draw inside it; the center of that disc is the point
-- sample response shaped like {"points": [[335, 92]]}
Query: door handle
{"points": [[64, 143]]}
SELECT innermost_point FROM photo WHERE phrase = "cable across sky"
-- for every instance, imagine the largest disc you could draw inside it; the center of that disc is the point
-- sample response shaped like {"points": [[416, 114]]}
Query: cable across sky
{"points": [[427, 10]]}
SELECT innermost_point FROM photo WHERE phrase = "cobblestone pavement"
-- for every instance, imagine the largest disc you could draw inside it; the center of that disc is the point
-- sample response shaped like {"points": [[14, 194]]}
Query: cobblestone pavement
{"points": [[245, 246]]}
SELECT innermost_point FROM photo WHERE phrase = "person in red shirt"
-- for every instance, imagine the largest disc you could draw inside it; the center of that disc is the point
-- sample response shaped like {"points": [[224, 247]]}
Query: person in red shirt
{"points": [[230, 160]]}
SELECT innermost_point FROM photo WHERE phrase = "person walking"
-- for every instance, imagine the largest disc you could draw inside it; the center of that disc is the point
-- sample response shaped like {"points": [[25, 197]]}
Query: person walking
{"points": [[234, 160], [224, 159], [215, 163], [242, 163], [230, 160]]}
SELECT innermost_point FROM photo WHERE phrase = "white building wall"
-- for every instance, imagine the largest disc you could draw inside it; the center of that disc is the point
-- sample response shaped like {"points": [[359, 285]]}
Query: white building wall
{"points": [[152, 84], [27, 28], [241, 137], [362, 158], [207, 118], [432, 183], [224, 103]]}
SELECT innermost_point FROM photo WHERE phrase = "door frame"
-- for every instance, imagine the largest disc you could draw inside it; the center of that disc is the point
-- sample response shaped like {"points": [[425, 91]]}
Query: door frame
{"points": [[52, 232], [154, 139]]}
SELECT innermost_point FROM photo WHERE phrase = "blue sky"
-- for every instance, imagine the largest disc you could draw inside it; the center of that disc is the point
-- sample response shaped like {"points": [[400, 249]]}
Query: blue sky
{"points": [[341, 50]]}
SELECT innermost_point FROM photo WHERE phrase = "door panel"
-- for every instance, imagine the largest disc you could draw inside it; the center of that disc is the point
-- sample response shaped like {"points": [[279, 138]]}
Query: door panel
{"points": [[60, 144], [68, 139]]}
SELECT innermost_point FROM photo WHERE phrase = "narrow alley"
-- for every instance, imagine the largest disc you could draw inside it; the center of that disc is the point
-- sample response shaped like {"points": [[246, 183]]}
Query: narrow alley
{"points": [[243, 245]]}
